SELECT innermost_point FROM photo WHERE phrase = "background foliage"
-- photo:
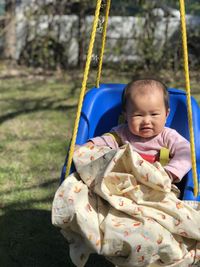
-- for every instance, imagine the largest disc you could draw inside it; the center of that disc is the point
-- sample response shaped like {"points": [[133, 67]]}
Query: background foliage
{"points": [[38, 106], [48, 33]]}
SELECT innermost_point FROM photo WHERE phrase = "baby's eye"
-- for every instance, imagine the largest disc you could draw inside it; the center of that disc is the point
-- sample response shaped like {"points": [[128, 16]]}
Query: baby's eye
{"points": [[155, 114], [137, 115]]}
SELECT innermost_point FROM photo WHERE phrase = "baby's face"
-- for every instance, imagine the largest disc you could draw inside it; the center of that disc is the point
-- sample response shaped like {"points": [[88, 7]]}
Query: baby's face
{"points": [[146, 113]]}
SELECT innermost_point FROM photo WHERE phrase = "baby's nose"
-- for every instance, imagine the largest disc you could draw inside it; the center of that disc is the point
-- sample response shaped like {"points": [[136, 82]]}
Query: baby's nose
{"points": [[146, 119]]}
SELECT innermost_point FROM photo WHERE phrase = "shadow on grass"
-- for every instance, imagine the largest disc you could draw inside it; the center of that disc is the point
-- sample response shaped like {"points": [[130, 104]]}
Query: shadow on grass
{"points": [[28, 239], [29, 106], [46, 184]]}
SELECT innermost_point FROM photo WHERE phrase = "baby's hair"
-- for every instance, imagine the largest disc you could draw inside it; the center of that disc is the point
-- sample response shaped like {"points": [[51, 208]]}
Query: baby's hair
{"points": [[142, 82]]}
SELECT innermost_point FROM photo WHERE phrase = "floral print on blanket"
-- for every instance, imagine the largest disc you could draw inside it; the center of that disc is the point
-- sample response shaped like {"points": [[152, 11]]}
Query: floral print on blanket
{"points": [[120, 206]]}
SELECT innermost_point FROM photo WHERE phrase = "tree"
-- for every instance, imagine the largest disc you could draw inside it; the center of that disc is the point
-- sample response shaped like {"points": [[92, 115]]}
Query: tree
{"points": [[10, 31], [49, 47]]}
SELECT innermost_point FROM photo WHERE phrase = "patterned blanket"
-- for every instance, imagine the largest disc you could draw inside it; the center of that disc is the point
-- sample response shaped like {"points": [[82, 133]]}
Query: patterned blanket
{"points": [[118, 205]]}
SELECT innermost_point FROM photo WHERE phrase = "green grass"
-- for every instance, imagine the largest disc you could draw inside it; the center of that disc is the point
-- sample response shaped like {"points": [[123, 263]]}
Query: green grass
{"points": [[36, 121], [34, 134]]}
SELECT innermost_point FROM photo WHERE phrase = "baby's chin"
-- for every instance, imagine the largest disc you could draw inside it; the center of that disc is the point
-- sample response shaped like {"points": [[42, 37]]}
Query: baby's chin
{"points": [[146, 134]]}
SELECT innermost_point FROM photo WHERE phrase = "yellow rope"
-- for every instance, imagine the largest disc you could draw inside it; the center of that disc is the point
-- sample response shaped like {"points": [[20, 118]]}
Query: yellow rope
{"points": [[84, 84], [189, 106], [103, 43]]}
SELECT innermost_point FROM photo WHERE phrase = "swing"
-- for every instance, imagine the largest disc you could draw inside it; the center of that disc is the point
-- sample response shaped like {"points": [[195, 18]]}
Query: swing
{"points": [[100, 108]]}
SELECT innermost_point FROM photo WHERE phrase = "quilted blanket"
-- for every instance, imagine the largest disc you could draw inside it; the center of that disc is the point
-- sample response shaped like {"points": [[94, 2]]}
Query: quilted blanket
{"points": [[118, 205]]}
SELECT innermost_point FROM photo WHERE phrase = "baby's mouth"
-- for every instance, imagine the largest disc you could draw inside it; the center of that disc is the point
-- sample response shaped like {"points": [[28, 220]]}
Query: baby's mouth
{"points": [[145, 128]]}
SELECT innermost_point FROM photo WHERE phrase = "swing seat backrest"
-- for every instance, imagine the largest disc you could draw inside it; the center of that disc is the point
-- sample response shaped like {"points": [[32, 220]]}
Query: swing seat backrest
{"points": [[102, 108]]}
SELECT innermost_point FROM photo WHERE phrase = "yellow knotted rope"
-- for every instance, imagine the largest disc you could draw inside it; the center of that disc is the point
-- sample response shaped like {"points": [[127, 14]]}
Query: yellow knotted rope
{"points": [[189, 106], [103, 43], [83, 87]]}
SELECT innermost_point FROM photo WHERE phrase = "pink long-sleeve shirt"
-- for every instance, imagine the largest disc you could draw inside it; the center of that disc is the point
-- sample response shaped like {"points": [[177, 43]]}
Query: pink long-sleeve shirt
{"points": [[179, 147]]}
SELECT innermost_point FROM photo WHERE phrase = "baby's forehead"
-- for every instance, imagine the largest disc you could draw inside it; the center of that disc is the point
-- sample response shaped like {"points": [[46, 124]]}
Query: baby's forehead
{"points": [[146, 89]]}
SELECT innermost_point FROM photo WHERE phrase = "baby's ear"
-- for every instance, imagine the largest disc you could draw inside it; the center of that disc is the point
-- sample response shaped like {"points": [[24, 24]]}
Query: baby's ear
{"points": [[122, 118], [168, 111]]}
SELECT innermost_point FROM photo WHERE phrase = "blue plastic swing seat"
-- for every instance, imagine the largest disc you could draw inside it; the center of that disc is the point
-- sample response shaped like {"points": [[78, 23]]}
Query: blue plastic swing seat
{"points": [[102, 108]]}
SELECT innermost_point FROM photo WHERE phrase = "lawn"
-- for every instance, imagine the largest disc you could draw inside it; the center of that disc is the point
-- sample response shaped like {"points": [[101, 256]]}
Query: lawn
{"points": [[36, 120]]}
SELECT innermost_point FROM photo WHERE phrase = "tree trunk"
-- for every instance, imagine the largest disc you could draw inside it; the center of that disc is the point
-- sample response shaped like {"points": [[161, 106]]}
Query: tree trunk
{"points": [[81, 33], [10, 31]]}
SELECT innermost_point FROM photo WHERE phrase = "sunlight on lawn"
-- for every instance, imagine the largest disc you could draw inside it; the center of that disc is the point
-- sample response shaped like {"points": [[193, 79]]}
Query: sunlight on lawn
{"points": [[35, 131], [36, 121]]}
